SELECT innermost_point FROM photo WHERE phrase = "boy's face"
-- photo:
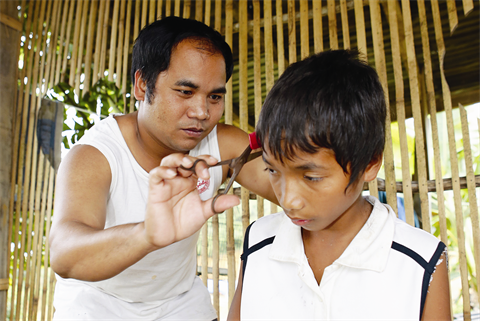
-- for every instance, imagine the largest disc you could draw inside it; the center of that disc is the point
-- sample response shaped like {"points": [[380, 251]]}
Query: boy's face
{"points": [[311, 189]]}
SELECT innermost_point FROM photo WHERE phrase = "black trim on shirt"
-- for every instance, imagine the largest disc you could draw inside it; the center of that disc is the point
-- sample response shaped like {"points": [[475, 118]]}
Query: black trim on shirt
{"points": [[247, 251], [429, 267]]}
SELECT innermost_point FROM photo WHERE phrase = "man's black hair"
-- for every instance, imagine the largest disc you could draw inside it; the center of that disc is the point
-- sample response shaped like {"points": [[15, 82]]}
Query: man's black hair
{"points": [[329, 100], [153, 47]]}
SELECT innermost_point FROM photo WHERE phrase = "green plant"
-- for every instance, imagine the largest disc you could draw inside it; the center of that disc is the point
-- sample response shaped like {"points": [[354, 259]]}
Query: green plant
{"points": [[103, 99]]}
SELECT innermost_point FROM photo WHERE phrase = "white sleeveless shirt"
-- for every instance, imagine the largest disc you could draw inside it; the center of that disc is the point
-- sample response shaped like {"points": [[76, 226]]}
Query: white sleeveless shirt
{"points": [[164, 283]]}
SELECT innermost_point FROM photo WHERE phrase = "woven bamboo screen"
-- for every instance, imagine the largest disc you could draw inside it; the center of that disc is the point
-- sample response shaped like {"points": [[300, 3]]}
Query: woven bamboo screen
{"points": [[79, 42]]}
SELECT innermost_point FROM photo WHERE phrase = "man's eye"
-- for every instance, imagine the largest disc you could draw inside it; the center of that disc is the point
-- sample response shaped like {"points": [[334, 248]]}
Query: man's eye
{"points": [[216, 97], [185, 92]]}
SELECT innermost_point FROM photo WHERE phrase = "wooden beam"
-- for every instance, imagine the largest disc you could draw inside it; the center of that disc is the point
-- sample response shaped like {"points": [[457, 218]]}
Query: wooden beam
{"points": [[10, 22]]}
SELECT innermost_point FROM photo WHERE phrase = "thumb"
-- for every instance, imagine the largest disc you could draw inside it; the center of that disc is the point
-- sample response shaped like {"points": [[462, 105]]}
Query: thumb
{"points": [[222, 203]]}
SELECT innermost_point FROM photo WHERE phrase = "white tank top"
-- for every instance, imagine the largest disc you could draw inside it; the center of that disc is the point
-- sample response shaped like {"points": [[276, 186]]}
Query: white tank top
{"points": [[161, 276]]}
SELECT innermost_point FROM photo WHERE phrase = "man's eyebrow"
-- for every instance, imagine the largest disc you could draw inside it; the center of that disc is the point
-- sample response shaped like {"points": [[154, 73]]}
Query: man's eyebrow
{"points": [[220, 90], [263, 157], [186, 83]]}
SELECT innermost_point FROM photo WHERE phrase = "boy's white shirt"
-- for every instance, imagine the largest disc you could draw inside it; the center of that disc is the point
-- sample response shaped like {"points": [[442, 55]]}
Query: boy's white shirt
{"points": [[365, 283]]}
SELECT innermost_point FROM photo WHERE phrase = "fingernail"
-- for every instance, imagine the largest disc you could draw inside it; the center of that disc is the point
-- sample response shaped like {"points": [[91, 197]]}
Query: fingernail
{"points": [[186, 161], [170, 172]]}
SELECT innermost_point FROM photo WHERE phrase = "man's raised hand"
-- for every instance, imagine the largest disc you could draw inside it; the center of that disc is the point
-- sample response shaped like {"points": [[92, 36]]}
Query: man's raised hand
{"points": [[174, 208]]}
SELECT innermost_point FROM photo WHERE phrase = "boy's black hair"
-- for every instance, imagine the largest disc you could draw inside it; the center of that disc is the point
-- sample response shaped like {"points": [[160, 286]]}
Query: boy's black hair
{"points": [[153, 47], [329, 100]]}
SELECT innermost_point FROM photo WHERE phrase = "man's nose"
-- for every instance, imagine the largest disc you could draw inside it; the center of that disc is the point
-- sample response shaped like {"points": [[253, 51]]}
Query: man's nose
{"points": [[199, 109]]}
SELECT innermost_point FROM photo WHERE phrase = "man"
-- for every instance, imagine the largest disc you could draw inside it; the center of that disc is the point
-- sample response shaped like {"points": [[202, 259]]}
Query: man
{"points": [[116, 251]]}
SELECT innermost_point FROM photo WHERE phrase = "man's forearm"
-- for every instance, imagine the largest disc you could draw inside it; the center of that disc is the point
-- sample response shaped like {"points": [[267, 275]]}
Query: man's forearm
{"points": [[81, 252]]}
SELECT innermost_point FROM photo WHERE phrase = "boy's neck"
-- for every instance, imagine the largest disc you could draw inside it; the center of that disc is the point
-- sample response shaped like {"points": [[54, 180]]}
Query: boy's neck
{"points": [[323, 247]]}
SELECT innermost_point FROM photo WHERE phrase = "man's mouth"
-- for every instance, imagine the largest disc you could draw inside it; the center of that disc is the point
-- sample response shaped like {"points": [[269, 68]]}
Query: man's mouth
{"points": [[193, 131]]}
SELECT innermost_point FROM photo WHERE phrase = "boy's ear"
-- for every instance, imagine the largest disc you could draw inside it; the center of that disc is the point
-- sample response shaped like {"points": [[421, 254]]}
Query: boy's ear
{"points": [[372, 169], [140, 87]]}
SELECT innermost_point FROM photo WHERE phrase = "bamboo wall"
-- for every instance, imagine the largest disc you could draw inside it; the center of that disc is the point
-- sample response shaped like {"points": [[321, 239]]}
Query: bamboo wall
{"points": [[78, 41]]}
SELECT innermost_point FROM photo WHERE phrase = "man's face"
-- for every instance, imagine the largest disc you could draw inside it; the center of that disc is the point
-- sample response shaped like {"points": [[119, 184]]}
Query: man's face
{"points": [[188, 99]]}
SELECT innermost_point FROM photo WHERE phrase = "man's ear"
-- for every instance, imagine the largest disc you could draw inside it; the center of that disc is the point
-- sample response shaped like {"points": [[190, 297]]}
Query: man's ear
{"points": [[140, 87], [372, 169]]}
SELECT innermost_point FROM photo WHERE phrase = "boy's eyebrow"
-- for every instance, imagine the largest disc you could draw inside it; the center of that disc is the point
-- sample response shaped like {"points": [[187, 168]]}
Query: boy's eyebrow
{"points": [[310, 166], [190, 84]]}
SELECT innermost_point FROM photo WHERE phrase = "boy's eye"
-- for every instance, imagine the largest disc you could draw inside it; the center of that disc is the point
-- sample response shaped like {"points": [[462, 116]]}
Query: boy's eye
{"points": [[312, 179], [270, 171]]}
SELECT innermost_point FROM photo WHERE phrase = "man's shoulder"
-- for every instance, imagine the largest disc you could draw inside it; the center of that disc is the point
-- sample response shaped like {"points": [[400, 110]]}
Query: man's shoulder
{"points": [[265, 227]]}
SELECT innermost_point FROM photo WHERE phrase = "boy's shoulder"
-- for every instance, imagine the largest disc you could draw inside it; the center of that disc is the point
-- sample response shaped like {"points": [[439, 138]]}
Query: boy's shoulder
{"points": [[415, 239], [265, 227]]}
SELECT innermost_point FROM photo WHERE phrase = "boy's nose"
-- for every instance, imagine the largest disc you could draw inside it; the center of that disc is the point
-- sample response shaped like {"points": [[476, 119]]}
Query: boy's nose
{"points": [[199, 109], [291, 198]]}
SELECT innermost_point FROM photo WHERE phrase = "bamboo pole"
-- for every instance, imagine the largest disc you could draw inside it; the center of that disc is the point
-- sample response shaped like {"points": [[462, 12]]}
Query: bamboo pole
{"points": [[186, 9], [447, 101], [345, 25], [98, 42], [317, 25], [120, 47], [380, 66], [472, 195], [89, 47], [229, 120], [268, 38], [15, 169], [27, 71], [135, 35], [67, 40], [205, 226], [113, 40], [257, 75], [103, 48], [151, 11], [360, 27], [198, 10], [215, 225], [304, 38], [292, 33], [208, 8], [52, 47], [144, 13], [52, 282], [126, 47], [81, 45], [332, 24], [243, 95], [168, 8], [61, 39], [280, 42], [30, 162], [159, 9], [467, 6], [433, 119], [452, 15], [38, 241], [400, 105], [204, 258], [176, 10], [76, 39], [417, 115], [46, 257]]}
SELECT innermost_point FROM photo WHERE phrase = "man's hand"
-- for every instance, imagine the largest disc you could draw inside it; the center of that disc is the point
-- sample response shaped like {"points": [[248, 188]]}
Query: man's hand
{"points": [[174, 208]]}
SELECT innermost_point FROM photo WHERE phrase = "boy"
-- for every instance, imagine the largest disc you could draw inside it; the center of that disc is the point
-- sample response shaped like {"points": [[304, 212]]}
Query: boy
{"points": [[333, 254]]}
